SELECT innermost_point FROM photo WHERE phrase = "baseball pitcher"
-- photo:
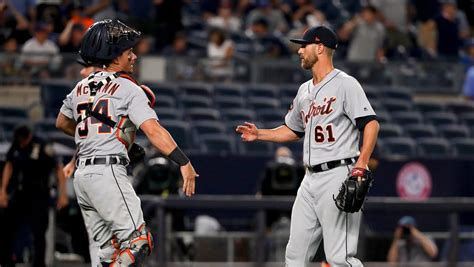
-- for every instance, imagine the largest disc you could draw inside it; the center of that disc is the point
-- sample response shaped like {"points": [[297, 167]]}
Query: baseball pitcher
{"points": [[329, 112]]}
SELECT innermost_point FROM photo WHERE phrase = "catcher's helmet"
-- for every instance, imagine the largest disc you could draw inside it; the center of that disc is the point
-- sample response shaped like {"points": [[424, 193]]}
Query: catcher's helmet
{"points": [[105, 40]]}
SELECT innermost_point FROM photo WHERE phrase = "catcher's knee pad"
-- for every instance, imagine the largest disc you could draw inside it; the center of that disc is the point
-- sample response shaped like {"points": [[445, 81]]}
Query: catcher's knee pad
{"points": [[132, 252]]}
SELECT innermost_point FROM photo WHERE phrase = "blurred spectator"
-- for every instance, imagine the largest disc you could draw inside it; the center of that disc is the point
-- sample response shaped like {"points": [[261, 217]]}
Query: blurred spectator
{"points": [[39, 53], [179, 47], [9, 57], [225, 19], [209, 8], [144, 46], [70, 39], [422, 10], [25, 192], [305, 15], [468, 86], [138, 13], [244, 7], [411, 245], [468, 62], [467, 58], [168, 20], [13, 24], [264, 42], [394, 16], [467, 6], [25, 7], [451, 30], [275, 19], [422, 14], [49, 11], [427, 37], [220, 52], [99, 9], [77, 16], [367, 36]]}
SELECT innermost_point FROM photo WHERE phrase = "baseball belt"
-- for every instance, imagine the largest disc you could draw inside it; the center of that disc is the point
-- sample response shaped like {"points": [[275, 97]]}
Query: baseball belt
{"points": [[331, 164], [102, 161]]}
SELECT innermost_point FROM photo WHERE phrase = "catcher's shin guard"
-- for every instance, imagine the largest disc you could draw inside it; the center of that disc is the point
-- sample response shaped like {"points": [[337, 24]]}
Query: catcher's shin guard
{"points": [[132, 252]]}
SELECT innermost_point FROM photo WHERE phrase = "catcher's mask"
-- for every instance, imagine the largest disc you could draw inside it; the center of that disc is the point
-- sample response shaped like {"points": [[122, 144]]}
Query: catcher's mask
{"points": [[105, 40]]}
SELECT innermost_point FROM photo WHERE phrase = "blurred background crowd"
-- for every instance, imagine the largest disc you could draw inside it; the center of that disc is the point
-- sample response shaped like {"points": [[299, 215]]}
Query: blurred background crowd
{"points": [[369, 31]]}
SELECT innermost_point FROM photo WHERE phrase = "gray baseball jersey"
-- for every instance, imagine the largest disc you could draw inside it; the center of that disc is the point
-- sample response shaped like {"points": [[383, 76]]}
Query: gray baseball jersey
{"points": [[108, 202], [326, 113], [120, 97]]}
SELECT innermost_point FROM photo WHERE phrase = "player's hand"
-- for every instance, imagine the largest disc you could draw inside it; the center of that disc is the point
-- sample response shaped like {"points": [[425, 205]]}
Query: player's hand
{"points": [[69, 169], [362, 165], [189, 179], [62, 202], [3, 199], [249, 132]]}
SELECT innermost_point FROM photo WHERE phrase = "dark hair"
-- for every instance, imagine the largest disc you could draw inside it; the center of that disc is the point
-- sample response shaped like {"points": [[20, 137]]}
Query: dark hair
{"points": [[261, 21], [220, 33], [20, 133], [370, 8]]}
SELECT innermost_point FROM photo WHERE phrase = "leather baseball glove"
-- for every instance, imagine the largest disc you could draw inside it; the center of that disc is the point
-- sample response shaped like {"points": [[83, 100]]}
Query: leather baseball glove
{"points": [[353, 190]]}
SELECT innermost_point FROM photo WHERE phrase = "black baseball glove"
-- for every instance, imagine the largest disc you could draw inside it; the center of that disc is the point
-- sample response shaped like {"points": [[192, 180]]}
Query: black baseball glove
{"points": [[353, 190], [136, 153]]}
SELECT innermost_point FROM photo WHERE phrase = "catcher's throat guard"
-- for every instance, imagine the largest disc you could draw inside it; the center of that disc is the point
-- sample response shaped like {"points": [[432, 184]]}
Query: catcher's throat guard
{"points": [[353, 190]]}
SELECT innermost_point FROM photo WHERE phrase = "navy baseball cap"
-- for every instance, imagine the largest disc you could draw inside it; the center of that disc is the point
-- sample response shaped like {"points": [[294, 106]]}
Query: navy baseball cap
{"points": [[318, 35], [407, 220]]}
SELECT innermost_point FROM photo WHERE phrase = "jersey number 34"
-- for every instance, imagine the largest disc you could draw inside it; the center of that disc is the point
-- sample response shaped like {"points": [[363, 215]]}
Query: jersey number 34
{"points": [[101, 107]]}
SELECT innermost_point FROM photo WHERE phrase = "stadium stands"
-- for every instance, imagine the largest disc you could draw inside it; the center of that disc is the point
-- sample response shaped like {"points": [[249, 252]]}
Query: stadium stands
{"points": [[433, 147], [218, 108]]}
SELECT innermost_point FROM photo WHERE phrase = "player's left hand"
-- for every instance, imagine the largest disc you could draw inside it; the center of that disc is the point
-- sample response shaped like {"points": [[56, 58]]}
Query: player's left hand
{"points": [[69, 169], [63, 201], [189, 179]]}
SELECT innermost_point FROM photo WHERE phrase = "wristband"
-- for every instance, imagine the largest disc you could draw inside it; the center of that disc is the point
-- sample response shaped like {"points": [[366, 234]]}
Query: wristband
{"points": [[178, 156]]}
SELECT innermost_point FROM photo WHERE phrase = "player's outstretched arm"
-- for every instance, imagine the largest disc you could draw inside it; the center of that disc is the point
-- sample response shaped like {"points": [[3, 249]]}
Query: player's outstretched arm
{"points": [[65, 124], [249, 132], [162, 140]]}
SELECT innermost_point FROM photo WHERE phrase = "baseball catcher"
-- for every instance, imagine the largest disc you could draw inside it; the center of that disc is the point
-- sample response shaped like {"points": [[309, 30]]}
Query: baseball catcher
{"points": [[353, 190]]}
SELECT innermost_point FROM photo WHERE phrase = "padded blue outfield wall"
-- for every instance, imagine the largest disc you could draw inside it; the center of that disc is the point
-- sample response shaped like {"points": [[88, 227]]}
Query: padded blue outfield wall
{"points": [[411, 179]]}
